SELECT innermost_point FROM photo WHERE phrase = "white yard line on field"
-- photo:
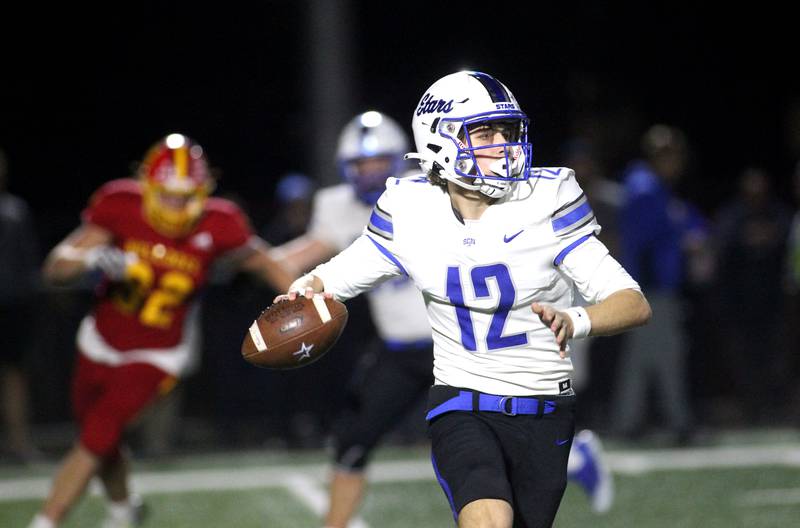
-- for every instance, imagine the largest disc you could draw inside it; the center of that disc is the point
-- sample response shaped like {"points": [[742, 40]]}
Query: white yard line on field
{"points": [[309, 491], [178, 481], [636, 462], [627, 462]]}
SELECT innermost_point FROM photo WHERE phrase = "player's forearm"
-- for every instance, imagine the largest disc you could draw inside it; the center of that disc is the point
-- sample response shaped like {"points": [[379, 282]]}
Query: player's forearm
{"points": [[301, 254], [275, 275], [73, 256], [64, 264], [261, 264], [620, 311], [358, 268]]}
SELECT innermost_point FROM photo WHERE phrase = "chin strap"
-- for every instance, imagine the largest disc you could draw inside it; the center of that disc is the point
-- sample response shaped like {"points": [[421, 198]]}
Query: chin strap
{"points": [[496, 191]]}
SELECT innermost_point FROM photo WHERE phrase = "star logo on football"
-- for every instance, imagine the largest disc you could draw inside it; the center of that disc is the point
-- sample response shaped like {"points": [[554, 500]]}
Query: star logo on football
{"points": [[304, 352]]}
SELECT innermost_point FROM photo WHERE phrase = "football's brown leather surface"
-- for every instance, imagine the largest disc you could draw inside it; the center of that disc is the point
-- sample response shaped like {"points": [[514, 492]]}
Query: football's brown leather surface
{"points": [[292, 334]]}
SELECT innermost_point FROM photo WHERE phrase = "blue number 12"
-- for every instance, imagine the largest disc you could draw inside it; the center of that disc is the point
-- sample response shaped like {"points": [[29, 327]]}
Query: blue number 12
{"points": [[479, 275]]}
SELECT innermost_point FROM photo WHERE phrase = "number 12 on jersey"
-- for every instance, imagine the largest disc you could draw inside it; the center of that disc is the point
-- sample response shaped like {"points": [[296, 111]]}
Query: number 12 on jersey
{"points": [[479, 277]]}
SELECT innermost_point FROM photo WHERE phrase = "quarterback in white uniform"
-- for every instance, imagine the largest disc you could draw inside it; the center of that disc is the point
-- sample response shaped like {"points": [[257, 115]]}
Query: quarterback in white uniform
{"points": [[370, 150], [480, 277], [496, 248]]}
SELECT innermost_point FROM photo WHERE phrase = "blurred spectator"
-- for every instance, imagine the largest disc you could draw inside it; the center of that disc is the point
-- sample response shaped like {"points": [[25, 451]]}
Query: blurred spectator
{"points": [[293, 195], [752, 230], [659, 235], [19, 262]]}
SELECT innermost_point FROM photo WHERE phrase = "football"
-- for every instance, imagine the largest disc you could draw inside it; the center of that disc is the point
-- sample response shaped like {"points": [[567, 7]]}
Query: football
{"points": [[292, 334]]}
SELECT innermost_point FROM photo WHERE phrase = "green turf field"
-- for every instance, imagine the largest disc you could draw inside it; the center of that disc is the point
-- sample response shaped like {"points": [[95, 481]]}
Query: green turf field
{"points": [[731, 486]]}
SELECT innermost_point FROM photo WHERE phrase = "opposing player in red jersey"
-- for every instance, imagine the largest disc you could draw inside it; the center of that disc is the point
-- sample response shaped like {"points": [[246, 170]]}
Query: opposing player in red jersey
{"points": [[154, 238]]}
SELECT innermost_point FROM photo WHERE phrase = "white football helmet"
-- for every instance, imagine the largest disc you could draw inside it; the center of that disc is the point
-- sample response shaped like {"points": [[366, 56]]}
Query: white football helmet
{"points": [[371, 148], [451, 106]]}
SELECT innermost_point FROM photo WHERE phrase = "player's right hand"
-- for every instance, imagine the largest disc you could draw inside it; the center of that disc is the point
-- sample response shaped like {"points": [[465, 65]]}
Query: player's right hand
{"points": [[112, 261], [558, 322]]}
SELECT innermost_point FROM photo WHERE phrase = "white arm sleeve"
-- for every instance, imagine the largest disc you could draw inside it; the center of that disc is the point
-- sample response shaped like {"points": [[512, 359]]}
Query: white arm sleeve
{"points": [[358, 268], [595, 272]]}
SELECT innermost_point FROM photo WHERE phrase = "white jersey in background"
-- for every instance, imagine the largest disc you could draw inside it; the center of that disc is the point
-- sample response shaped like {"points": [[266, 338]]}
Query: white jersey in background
{"points": [[339, 217], [479, 277]]}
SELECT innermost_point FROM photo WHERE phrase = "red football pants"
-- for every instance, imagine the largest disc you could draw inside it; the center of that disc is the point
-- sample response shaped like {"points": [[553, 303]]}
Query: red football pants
{"points": [[107, 399]]}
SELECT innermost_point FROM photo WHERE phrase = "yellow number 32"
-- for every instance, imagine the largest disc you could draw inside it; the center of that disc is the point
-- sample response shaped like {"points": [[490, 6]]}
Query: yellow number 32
{"points": [[157, 305]]}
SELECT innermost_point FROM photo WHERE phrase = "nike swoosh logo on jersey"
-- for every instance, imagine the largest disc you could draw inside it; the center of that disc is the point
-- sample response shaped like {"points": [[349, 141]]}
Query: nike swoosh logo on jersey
{"points": [[508, 239], [562, 442]]}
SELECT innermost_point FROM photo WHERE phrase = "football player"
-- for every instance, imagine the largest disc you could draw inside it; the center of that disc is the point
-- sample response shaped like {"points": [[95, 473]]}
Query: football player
{"points": [[497, 248], [153, 239], [370, 150]]}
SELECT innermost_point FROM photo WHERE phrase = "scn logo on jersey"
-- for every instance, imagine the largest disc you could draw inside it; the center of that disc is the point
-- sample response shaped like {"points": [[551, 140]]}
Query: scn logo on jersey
{"points": [[429, 105]]}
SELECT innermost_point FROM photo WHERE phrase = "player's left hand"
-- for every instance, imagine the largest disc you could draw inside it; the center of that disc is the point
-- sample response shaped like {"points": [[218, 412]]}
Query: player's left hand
{"points": [[112, 261], [558, 322]]}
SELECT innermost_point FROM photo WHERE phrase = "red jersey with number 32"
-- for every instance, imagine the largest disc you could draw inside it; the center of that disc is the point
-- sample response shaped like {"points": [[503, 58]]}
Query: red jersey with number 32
{"points": [[148, 310]]}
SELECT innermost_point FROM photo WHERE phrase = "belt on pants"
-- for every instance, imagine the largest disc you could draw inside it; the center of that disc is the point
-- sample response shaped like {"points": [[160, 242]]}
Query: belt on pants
{"points": [[508, 405]]}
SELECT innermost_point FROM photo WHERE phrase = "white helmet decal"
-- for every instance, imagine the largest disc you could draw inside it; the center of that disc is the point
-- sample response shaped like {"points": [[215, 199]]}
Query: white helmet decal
{"points": [[429, 105]]}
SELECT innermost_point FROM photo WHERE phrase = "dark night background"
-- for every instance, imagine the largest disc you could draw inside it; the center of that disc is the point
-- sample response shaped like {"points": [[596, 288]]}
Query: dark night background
{"points": [[82, 98], [84, 91]]}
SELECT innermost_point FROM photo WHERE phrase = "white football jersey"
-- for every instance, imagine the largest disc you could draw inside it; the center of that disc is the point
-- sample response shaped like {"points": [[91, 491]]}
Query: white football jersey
{"points": [[478, 278], [339, 217]]}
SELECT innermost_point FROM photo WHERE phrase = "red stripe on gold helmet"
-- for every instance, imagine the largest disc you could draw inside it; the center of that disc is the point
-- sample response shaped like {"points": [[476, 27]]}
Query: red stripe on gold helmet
{"points": [[176, 181]]}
